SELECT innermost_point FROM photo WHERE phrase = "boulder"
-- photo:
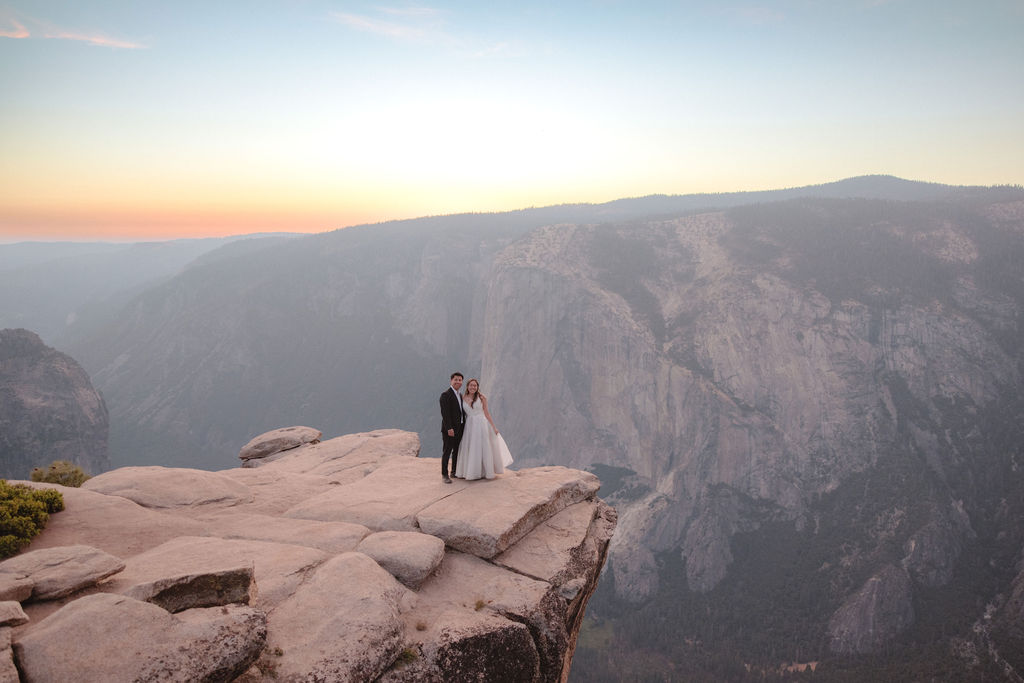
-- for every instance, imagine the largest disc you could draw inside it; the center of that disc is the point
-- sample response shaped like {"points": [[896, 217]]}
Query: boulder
{"points": [[547, 552], [278, 568], [472, 585], [874, 615], [471, 646], [409, 556], [14, 588], [388, 499], [349, 457], [104, 637], [567, 551], [490, 648], [330, 537], [342, 624], [176, 593], [278, 440], [169, 487], [8, 671], [57, 572], [11, 614], [487, 516]]}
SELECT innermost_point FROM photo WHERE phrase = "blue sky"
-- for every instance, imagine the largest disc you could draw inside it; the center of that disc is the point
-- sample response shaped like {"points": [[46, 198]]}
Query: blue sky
{"points": [[141, 119]]}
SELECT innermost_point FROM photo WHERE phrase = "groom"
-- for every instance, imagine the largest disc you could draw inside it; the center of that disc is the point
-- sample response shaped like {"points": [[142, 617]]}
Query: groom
{"points": [[452, 420]]}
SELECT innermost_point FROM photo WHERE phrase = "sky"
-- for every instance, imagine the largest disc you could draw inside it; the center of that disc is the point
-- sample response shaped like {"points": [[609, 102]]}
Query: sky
{"points": [[122, 119]]}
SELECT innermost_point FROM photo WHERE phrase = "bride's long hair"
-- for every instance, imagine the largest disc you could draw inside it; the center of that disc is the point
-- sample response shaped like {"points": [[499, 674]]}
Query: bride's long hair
{"points": [[477, 393]]}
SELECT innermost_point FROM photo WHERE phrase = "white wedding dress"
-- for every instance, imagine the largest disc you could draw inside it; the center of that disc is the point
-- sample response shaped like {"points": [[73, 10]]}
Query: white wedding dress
{"points": [[482, 453]]}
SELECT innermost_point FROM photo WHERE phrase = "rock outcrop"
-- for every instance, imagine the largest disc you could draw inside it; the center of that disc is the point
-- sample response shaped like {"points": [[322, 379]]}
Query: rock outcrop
{"points": [[871, 617], [263, 447], [151, 487], [845, 373], [8, 671], [55, 572], [49, 409], [410, 557], [347, 560], [105, 637]]}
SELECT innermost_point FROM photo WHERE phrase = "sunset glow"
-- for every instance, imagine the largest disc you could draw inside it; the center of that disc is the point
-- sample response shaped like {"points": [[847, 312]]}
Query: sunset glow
{"points": [[121, 120]]}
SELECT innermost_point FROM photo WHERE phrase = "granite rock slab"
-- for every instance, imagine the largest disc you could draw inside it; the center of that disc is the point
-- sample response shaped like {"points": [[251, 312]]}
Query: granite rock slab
{"points": [[388, 499], [58, 572], [211, 588], [278, 440], [11, 613], [8, 670], [111, 523], [105, 637], [408, 555], [330, 537], [170, 487], [342, 624], [485, 517], [278, 568], [348, 457]]}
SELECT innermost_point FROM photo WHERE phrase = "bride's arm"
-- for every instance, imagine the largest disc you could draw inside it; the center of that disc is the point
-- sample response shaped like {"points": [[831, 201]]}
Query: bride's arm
{"points": [[487, 413]]}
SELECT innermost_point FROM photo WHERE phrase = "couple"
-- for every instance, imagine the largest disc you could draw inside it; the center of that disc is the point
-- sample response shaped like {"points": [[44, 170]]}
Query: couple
{"points": [[471, 440]]}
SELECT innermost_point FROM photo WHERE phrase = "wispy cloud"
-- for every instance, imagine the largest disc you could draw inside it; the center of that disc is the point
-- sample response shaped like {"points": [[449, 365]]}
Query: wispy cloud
{"points": [[40, 29], [423, 25], [411, 11], [379, 27], [18, 31], [94, 39], [407, 23]]}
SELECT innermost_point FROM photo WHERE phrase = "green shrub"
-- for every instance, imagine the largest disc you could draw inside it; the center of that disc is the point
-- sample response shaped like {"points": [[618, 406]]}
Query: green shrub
{"points": [[23, 514], [406, 657], [60, 472], [51, 498]]}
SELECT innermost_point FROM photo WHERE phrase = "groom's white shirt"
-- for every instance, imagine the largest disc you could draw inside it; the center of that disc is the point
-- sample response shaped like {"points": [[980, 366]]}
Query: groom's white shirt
{"points": [[459, 399]]}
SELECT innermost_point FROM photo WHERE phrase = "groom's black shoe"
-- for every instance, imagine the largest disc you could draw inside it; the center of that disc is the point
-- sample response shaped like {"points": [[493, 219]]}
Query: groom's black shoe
{"points": [[446, 479]]}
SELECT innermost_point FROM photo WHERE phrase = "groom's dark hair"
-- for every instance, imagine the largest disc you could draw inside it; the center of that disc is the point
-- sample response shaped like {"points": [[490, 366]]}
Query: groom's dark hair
{"points": [[454, 375]]}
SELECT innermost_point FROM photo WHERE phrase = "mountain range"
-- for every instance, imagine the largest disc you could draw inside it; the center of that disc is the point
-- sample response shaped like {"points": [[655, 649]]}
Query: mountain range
{"points": [[805, 403]]}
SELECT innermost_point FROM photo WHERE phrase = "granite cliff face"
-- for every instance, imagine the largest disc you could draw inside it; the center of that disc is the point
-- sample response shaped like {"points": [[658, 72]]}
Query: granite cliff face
{"points": [[844, 373], [194, 363], [346, 560], [49, 409]]}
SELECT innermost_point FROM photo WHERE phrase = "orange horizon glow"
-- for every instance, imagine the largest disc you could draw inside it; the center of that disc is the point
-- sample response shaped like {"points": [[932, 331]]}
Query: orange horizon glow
{"points": [[163, 218], [141, 122]]}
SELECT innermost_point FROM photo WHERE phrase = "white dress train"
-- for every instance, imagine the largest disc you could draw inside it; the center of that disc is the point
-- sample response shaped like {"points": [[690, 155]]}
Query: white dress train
{"points": [[482, 453]]}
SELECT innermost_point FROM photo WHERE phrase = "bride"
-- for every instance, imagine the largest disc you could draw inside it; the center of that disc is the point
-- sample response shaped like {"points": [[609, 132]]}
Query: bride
{"points": [[482, 452]]}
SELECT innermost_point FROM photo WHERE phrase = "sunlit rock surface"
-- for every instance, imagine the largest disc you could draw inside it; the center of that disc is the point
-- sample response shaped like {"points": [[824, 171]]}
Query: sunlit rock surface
{"points": [[346, 560]]}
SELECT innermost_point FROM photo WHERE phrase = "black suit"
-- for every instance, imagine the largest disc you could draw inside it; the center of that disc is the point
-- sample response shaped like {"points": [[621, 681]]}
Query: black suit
{"points": [[451, 418]]}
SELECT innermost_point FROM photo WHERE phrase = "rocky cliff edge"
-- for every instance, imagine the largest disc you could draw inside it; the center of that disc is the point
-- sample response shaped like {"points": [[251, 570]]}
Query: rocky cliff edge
{"points": [[342, 560], [49, 409]]}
